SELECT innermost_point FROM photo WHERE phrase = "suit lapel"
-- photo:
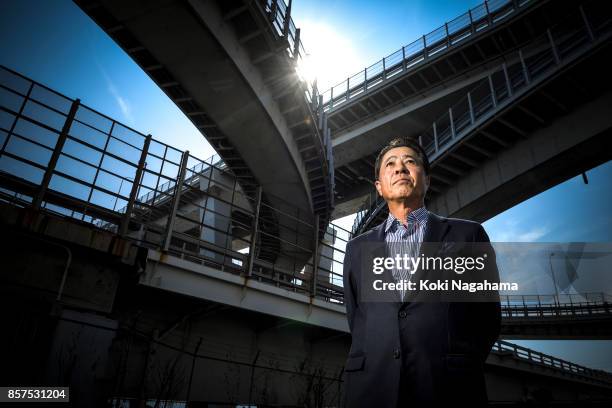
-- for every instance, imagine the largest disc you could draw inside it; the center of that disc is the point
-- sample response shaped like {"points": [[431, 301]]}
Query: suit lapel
{"points": [[379, 249], [437, 228]]}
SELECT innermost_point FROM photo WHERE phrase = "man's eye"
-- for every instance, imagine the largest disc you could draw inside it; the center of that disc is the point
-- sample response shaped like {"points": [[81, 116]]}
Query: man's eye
{"points": [[389, 163]]}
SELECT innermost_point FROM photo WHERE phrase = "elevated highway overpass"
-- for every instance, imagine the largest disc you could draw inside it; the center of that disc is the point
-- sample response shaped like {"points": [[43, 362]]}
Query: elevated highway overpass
{"points": [[556, 96], [230, 67], [512, 135]]}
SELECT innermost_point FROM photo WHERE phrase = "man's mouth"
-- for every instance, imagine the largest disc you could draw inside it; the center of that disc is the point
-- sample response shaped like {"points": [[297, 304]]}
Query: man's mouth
{"points": [[404, 179]]}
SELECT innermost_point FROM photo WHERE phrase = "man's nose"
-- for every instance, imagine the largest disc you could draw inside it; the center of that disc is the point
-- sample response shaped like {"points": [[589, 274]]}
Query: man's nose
{"points": [[402, 168]]}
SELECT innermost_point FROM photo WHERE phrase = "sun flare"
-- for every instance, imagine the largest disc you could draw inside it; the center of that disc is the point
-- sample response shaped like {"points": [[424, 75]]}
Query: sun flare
{"points": [[330, 57]]}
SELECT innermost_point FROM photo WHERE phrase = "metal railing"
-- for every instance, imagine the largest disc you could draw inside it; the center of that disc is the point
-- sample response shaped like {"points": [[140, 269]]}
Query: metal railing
{"points": [[60, 156], [524, 70], [524, 353], [153, 199], [562, 305], [419, 52]]}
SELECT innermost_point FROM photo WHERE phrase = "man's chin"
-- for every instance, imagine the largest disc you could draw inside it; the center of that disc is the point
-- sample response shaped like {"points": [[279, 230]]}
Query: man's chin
{"points": [[406, 192], [405, 197]]}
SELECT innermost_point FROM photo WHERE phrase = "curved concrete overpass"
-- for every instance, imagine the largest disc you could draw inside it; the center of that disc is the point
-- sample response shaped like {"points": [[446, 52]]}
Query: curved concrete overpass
{"points": [[233, 74], [528, 126]]}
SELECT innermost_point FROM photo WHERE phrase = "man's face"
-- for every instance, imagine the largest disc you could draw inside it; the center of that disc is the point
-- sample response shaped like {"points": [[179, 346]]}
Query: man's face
{"points": [[401, 176]]}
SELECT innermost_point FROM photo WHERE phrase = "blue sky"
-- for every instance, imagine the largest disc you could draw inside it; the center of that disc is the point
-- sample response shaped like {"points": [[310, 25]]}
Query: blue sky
{"points": [[54, 43]]}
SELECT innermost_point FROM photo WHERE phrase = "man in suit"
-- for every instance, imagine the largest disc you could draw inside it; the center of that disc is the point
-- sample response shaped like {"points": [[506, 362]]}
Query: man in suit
{"points": [[408, 351]]}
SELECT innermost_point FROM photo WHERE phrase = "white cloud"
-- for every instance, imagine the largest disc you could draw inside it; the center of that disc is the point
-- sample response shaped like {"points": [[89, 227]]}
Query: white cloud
{"points": [[532, 235], [124, 105], [512, 232]]}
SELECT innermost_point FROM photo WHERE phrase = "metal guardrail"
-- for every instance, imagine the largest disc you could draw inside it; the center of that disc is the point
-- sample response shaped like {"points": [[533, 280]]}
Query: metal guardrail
{"points": [[60, 156], [152, 198], [419, 52], [531, 65], [524, 353], [563, 305]]}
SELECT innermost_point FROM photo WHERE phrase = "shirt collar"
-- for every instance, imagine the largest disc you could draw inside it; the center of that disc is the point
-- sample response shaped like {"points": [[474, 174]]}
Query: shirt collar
{"points": [[419, 215]]}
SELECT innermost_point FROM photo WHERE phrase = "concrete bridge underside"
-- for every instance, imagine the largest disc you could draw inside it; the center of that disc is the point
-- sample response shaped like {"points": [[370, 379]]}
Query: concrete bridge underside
{"points": [[571, 145], [196, 58], [523, 150], [564, 92]]}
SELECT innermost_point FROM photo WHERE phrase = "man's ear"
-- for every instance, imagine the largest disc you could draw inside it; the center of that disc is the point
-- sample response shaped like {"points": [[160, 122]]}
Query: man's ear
{"points": [[377, 185]]}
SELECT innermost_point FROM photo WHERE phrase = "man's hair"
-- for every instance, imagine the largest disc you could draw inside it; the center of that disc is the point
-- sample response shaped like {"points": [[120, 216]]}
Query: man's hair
{"points": [[403, 142]]}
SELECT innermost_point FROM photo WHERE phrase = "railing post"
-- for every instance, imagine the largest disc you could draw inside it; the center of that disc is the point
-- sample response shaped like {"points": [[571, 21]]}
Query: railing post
{"points": [[492, 88], [489, 19], [448, 42], [553, 46], [384, 73], [324, 123], [425, 52], [403, 58], [472, 28], [320, 107], [507, 77], [525, 70], [21, 108], [125, 220], [365, 80], [348, 87], [59, 145], [471, 108], [586, 23], [435, 133], [287, 21], [331, 97], [314, 97], [175, 200], [254, 232], [296, 45], [273, 11], [452, 124], [315, 258], [320, 117]]}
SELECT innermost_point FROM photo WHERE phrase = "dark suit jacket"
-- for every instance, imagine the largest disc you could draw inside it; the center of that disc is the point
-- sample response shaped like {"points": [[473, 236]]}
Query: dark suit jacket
{"points": [[415, 353]]}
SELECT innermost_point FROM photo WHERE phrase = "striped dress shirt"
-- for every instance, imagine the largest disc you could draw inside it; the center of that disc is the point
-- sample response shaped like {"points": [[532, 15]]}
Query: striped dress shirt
{"points": [[404, 238]]}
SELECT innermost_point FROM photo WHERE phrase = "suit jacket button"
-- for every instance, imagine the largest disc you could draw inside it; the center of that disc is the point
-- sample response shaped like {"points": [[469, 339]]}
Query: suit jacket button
{"points": [[403, 314], [396, 353]]}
